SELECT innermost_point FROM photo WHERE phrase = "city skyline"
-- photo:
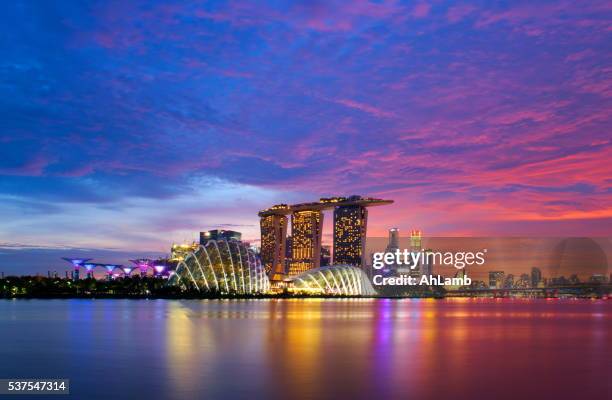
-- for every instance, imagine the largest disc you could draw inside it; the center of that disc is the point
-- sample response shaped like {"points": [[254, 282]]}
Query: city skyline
{"points": [[130, 126]]}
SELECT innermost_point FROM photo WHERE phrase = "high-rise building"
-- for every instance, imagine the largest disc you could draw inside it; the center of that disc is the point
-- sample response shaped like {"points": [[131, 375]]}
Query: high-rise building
{"points": [[496, 279], [416, 246], [350, 224], [427, 265], [524, 282], [415, 240], [392, 246], [307, 231], [219, 234], [306, 235], [509, 281], [273, 241], [393, 240], [536, 277]]}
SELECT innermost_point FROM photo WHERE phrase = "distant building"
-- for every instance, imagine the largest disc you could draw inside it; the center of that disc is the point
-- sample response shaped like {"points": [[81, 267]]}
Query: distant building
{"points": [[394, 237], [219, 234], [392, 246], [524, 282], [536, 277], [509, 281], [325, 256], [559, 281], [427, 265], [496, 279], [416, 240], [598, 278]]}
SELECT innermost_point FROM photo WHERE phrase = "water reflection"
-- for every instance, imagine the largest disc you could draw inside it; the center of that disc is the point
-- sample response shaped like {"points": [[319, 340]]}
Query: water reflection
{"points": [[307, 349]]}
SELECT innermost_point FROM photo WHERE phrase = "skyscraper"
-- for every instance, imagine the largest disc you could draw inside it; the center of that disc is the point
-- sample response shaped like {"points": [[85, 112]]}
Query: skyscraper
{"points": [[415, 240], [496, 279], [536, 277], [307, 231], [393, 240], [273, 241], [350, 224], [306, 235], [509, 281]]}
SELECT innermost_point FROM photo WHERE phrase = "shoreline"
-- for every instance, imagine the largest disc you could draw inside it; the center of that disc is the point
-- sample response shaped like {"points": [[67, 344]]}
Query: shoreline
{"points": [[285, 297]]}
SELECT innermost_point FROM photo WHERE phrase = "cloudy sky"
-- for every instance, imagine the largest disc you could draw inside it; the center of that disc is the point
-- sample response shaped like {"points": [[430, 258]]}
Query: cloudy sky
{"points": [[127, 125]]}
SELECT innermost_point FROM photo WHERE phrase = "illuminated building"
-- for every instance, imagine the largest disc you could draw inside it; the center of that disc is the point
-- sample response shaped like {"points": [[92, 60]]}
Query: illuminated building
{"points": [[524, 282], [536, 277], [496, 279], [306, 231], [336, 280], [273, 242], [350, 223], [223, 266], [509, 281], [219, 234], [179, 251], [415, 240], [306, 235]]}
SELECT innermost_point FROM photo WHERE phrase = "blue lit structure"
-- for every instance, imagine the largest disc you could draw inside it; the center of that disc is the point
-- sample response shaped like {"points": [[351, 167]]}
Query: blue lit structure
{"points": [[77, 263], [142, 264]]}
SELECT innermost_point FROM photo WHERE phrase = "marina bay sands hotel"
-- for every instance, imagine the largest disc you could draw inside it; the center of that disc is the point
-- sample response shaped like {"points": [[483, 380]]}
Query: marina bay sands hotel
{"points": [[350, 225]]}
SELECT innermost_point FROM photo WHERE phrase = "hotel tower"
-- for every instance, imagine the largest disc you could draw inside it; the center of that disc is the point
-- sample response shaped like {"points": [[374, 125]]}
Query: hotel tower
{"points": [[349, 236]]}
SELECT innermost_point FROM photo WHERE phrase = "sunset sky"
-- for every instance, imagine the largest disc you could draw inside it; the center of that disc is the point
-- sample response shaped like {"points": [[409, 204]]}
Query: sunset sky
{"points": [[129, 125]]}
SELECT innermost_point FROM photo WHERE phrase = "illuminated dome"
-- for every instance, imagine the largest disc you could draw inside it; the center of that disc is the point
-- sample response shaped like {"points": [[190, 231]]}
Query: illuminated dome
{"points": [[338, 280], [222, 266]]}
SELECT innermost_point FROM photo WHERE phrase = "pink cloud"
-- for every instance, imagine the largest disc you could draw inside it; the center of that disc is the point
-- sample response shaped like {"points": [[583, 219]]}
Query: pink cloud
{"points": [[375, 111], [421, 10]]}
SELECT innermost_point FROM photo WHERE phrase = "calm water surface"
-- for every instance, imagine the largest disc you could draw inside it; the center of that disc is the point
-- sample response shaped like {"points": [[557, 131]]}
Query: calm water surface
{"points": [[305, 349]]}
